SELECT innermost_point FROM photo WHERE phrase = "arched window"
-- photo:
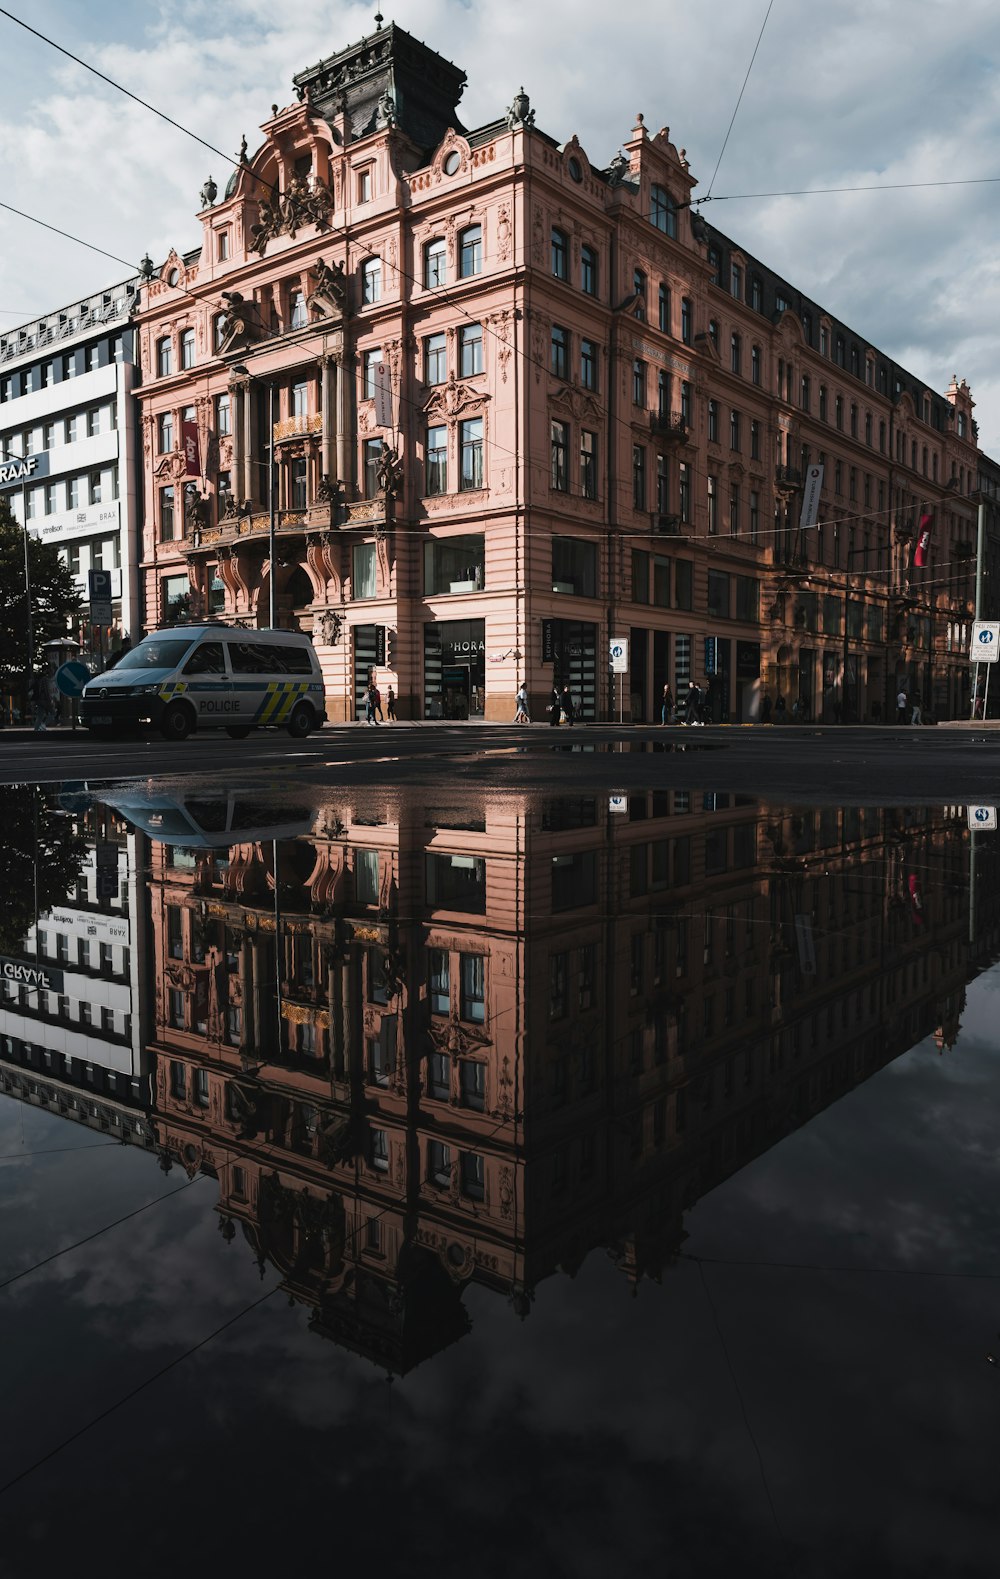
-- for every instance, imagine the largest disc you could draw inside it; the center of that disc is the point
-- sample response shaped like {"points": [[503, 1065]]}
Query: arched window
{"points": [[662, 211], [435, 263], [299, 317]]}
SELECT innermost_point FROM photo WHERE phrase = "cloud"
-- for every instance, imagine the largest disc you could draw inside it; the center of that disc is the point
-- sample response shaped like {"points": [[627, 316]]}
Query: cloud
{"points": [[837, 97]]}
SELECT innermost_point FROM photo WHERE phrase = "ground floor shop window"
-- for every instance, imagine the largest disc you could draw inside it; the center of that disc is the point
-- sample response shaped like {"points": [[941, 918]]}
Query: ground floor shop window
{"points": [[455, 669], [570, 646]]}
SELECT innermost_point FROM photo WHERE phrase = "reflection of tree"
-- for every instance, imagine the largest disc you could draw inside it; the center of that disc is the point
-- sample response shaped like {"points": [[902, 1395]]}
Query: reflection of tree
{"points": [[31, 828]]}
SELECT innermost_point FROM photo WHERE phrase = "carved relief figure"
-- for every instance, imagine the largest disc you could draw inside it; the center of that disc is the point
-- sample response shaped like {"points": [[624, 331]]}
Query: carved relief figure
{"points": [[329, 293]]}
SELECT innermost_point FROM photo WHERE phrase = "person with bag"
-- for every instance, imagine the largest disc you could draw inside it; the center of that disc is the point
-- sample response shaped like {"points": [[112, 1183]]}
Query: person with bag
{"points": [[521, 715]]}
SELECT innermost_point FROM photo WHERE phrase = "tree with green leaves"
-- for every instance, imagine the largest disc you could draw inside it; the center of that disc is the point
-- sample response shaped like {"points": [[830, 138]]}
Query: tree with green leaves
{"points": [[55, 599]]}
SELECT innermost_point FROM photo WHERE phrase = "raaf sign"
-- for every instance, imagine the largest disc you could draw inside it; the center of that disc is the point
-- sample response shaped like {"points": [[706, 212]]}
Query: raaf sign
{"points": [[23, 468]]}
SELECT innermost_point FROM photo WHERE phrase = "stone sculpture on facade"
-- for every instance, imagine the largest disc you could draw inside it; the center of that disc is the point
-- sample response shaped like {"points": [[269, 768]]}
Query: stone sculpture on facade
{"points": [[329, 294], [303, 202], [240, 323], [390, 471], [520, 112]]}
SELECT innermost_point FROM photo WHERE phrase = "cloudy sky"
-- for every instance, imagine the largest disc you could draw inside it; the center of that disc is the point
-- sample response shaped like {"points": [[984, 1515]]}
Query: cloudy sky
{"points": [[869, 91]]}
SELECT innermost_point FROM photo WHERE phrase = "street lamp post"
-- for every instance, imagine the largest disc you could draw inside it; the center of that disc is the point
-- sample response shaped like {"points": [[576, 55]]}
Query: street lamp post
{"points": [[269, 386]]}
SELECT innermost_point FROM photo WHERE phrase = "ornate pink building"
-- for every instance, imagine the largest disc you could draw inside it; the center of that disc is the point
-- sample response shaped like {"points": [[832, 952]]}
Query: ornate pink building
{"points": [[521, 405]]}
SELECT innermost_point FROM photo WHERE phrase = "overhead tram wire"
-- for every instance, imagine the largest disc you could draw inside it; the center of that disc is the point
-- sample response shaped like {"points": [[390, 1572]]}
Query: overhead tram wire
{"points": [[113, 84], [487, 329], [739, 101], [540, 465], [525, 356]]}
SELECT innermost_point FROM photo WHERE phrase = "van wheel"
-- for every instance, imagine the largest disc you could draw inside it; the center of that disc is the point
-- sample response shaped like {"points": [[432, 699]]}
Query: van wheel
{"points": [[238, 731], [177, 722], [301, 721]]}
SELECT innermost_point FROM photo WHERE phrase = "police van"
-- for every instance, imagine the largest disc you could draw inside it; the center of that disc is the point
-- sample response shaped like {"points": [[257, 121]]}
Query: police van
{"points": [[210, 676]]}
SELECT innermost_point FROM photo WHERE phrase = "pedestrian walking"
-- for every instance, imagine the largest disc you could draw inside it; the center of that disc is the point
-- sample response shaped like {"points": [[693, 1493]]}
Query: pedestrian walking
{"points": [[765, 708], [901, 708], [379, 719], [916, 717], [566, 708], [390, 704], [666, 704], [370, 695], [42, 693], [521, 715], [554, 706], [692, 704], [780, 710]]}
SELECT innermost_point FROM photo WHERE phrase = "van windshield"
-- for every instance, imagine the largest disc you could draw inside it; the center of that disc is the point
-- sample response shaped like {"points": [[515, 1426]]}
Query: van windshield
{"points": [[158, 653]]}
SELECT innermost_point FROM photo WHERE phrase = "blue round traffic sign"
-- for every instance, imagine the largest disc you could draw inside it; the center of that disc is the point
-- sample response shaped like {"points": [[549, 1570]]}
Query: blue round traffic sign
{"points": [[981, 814], [71, 677]]}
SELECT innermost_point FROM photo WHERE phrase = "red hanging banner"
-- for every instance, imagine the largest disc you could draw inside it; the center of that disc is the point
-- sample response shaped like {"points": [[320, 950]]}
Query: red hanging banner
{"points": [[192, 455], [923, 540]]}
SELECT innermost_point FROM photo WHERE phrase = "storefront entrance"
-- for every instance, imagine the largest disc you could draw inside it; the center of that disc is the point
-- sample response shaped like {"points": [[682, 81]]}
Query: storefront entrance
{"points": [[455, 669]]}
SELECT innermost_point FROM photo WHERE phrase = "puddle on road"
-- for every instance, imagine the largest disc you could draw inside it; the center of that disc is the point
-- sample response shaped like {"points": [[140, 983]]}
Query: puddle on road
{"points": [[554, 1111]]}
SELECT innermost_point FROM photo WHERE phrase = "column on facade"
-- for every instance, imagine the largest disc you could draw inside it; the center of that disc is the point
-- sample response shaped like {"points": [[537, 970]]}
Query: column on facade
{"points": [[239, 401], [328, 395], [344, 468], [248, 488]]}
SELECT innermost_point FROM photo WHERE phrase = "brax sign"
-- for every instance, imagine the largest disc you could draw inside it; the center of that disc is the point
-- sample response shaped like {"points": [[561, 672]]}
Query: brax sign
{"points": [[28, 973], [22, 469]]}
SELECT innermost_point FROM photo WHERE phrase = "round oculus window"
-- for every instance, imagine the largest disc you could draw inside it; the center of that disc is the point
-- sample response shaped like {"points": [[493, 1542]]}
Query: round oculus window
{"points": [[173, 276], [576, 169], [452, 162]]}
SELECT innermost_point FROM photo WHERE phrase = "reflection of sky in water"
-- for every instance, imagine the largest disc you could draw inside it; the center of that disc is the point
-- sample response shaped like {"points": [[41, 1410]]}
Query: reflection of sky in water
{"points": [[601, 1433]]}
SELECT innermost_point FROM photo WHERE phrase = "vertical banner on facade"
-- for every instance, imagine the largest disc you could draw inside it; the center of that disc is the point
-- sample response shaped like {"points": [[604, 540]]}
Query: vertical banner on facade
{"points": [[548, 641], [383, 395], [923, 541], [810, 496], [711, 655], [192, 449]]}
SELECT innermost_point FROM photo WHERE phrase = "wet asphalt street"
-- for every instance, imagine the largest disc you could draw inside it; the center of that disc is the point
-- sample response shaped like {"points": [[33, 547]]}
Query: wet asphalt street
{"points": [[857, 765]]}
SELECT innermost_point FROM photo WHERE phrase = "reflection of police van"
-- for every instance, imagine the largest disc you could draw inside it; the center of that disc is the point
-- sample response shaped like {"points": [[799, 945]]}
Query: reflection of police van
{"points": [[206, 820], [200, 676]]}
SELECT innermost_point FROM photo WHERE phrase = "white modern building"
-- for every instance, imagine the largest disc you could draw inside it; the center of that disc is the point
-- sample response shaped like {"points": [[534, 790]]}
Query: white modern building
{"points": [[71, 1005], [66, 385]]}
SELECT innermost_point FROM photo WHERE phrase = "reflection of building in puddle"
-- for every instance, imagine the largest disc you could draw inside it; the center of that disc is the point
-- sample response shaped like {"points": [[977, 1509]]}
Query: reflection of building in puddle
{"points": [[422, 1048], [72, 1038], [434, 1050]]}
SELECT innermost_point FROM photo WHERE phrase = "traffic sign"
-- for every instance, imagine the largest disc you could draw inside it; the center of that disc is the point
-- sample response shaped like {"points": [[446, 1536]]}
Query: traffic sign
{"points": [[985, 641], [71, 677], [618, 654], [983, 819], [100, 597], [618, 803]]}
